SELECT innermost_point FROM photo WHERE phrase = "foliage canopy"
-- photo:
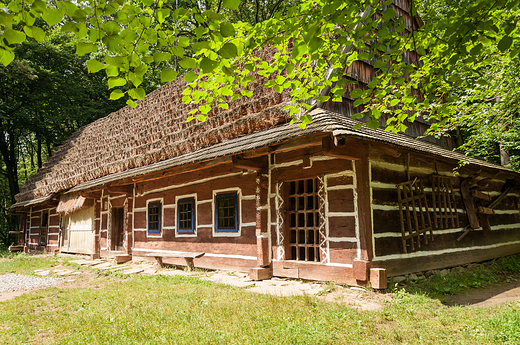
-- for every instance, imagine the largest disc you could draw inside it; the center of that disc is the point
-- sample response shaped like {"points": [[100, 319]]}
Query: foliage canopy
{"points": [[314, 38]]}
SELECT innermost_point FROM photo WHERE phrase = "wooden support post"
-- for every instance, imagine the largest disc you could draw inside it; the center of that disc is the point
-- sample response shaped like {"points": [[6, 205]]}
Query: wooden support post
{"points": [[364, 210], [159, 261], [262, 240], [189, 264], [468, 203]]}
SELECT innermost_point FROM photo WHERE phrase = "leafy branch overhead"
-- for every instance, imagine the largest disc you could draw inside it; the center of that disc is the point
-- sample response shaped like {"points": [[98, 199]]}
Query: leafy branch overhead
{"points": [[315, 41]]}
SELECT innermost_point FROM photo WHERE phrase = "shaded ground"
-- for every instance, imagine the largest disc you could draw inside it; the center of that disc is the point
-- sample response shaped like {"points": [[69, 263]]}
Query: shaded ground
{"points": [[493, 295]]}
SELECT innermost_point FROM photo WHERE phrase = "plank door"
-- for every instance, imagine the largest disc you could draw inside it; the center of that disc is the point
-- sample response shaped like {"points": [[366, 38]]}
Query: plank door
{"points": [[78, 232], [117, 229]]}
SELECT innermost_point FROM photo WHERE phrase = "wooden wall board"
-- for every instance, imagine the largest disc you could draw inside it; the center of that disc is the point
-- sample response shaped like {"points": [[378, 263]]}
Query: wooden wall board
{"points": [[344, 226], [386, 246], [313, 271], [403, 266]]}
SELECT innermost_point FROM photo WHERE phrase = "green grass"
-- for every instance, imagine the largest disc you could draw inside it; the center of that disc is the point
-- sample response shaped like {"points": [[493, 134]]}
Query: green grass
{"points": [[186, 310], [23, 263]]}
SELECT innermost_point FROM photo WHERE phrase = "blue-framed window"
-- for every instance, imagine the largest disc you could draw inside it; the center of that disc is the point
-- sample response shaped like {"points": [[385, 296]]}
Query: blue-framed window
{"points": [[186, 216], [154, 218], [226, 212]]}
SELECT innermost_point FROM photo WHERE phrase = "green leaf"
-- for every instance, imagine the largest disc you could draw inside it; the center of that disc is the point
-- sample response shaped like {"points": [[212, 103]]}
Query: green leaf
{"points": [[85, 48], [178, 51], [6, 57], [188, 63], [14, 36], [189, 77], [137, 93], [505, 43], [356, 93], [315, 44], [373, 124], [52, 16], [357, 126], [228, 51], [389, 14], [394, 102], [162, 14], [119, 61], [94, 66], [358, 116], [232, 4], [227, 29], [183, 41], [131, 103], [112, 71], [208, 65], [70, 27], [34, 32], [113, 82], [161, 56], [116, 94], [198, 46], [168, 75]]}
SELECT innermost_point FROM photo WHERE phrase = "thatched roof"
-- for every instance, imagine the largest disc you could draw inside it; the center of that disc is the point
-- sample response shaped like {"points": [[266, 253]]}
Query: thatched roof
{"points": [[72, 203], [324, 121], [154, 131]]}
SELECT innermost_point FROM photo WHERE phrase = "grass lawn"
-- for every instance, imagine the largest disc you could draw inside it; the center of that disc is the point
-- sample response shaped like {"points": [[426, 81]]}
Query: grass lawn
{"points": [[109, 309]]}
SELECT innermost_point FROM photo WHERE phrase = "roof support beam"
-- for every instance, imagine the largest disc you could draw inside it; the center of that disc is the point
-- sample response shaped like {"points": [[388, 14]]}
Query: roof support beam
{"points": [[128, 190], [350, 150], [256, 164]]}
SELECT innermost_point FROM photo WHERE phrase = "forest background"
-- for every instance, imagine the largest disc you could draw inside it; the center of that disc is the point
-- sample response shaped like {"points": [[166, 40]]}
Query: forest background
{"points": [[54, 80]]}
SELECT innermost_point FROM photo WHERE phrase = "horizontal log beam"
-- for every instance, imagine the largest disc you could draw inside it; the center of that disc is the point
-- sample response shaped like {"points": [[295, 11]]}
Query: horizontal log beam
{"points": [[128, 190], [256, 164]]}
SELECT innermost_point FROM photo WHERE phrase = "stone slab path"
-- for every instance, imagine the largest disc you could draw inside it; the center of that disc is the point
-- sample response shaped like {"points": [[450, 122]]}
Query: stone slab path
{"points": [[275, 286]]}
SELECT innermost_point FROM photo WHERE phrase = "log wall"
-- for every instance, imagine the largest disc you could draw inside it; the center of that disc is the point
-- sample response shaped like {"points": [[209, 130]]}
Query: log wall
{"points": [[33, 228], [445, 250], [223, 250]]}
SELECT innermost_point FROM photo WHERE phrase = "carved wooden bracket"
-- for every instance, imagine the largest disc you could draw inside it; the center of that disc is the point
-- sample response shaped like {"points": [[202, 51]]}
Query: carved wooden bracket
{"points": [[256, 164]]}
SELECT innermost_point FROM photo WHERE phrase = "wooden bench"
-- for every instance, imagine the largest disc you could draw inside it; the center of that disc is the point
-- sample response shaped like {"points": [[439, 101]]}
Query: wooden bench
{"points": [[188, 256]]}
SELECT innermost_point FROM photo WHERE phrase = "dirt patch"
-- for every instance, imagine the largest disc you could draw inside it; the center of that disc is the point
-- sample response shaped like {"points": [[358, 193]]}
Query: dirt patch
{"points": [[6, 296], [490, 296], [357, 298]]}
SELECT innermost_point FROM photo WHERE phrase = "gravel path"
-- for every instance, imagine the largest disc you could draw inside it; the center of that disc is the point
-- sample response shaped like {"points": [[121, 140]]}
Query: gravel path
{"points": [[17, 282]]}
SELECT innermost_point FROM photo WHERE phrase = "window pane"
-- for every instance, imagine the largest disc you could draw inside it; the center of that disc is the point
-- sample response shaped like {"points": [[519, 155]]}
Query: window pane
{"points": [[226, 212]]}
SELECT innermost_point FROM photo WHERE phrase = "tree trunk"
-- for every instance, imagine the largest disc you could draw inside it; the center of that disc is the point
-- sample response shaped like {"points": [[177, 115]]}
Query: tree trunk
{"points": [[504, 156], [7, 149], [39, 151]]}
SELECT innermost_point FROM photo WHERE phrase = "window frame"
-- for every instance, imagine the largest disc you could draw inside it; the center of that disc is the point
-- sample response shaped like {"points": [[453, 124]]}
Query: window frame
{"points": [[186, 231], [158, 232], [236, 229]]}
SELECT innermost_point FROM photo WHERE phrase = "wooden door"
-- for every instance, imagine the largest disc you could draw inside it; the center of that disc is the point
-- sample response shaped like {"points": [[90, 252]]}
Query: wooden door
{"points": [[65, 234], [44, 229], [117, 230], [78, 232]]}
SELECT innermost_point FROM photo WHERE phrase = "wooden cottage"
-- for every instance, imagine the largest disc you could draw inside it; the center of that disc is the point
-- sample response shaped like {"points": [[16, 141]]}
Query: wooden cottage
{"points": [[257, 195]]}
